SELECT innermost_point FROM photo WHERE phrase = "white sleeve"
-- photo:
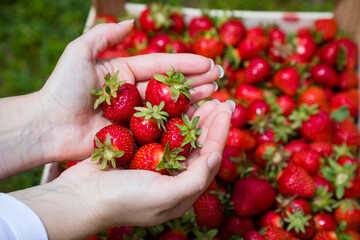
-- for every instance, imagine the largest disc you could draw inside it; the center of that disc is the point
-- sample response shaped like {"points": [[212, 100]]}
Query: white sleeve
{"points": [[18, 221]]}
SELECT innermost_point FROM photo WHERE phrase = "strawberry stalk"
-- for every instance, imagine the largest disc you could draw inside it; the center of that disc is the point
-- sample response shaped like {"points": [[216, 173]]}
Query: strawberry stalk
{"points": [[190, 131], [297, 221], [170, 160], [153, 112]]}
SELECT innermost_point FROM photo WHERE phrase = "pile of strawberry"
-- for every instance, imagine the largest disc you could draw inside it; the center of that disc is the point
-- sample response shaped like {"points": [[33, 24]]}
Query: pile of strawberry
{"points": [[290, 168]]}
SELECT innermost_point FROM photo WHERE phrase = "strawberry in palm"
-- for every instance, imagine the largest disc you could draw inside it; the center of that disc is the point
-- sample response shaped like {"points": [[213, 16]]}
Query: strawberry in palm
{"points": [[170, 89], [157, 158], [114, 145], [146, 125], [118, 99], [181, 133]]}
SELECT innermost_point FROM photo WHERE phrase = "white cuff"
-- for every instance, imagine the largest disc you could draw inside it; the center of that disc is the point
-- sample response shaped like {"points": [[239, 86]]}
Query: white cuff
{"points": [[18, 221]]}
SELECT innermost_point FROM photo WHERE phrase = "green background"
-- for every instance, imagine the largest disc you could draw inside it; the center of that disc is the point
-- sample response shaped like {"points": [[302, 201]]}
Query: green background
{"points": [[33, 35]]}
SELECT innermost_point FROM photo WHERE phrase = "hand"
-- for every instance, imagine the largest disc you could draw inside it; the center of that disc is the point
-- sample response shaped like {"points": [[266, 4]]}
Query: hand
{"points": [[86, 200]]}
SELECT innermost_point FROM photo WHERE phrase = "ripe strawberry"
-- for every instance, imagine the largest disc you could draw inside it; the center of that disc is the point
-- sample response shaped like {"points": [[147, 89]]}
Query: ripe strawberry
{"points": [[255, 31], [276, 34], [157, 158], [354, 190], [232, 31], [228, 171], [320, 181], [118, 99], [324, 222], [246, 93], [137, 39], [221, 94], [169, 88], [271, 219], [94, 238], [294, 180], [252, 196], [235, 226], [160, 40], [276, 233], [239, 116], [286, 104], [308, 160], [348, 54], [300, 225], [328, 53], [322, 148], [241, 139], [173, 235], [296, 146], [149, 49], [265, 152], [297, 205], [324, 75], [318, 128], [146, 124], [69, 164], [353, 234], [208, 211], [177, 46], [349, 98], [113, 145], [178, 23], [251, 47], [118, 233], [253, 235], [209, 45], [351, 161], [314, 95], [305, 47], [267, 137], [181, 133], [105, 18], [349, 212], [199, 24], [112, 52], [347, 133], [257, 70], [325, 235], [348, 79], [287, 80], [327, 28], [155, 17], [258, 108]]}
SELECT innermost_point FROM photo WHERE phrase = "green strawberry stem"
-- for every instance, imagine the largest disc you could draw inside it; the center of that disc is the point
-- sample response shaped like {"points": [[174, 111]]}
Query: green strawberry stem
{"points": [[323, 200], [153, 112], [170, 160], [190, 131], [297, 220], [302, 114]]}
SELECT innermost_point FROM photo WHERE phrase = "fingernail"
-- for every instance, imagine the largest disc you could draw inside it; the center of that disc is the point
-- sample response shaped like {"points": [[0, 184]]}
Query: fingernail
{"points": [[213, 160], [232, 103], [221, 71], [217, 101], [127, 21], [211, 64], [216, 86], [229, 111]]}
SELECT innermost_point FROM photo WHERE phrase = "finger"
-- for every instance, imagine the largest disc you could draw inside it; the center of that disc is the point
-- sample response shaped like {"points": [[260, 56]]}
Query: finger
{"points": [[204, 112], [210, 76], [202, 92], [101, 36], [145, 66]]}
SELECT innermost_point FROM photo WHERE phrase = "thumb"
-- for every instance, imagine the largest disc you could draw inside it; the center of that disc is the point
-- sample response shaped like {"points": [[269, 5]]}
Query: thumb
{"points": [[98, 38]]}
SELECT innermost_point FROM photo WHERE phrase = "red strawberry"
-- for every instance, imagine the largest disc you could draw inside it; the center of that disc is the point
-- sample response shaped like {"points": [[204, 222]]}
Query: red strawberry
{"points": [[136, 39], [256, 31], [308, 160], [322, 148], [286, 104], [157, 158], [181, 133], [327, 28], [105, 18], [118, 233], [251, 47], [94, 238], [314, 95], [276, 233], [232, 31], [324, 222], [149, 49], [178, 23], [353, 234], [113, 145], [111, 52], [262, 153], [118, 99], [295, 180], [208, 45], [324, 75], [199, 24], [325, 235], [348, 79], [69, 164], [287, 80], [348, 98], [177, 46], [169, 88], [305, 47], [228, 171], [208, 211], [160, 40], [258, 108], [146, 124], [320, 181], [351, 161], [318, 128], [347, 133], [354, 190], [257, 70], [300, 225], [267, 137], [221, 94], [297, 205], [246, 93], [173, 235], [235, 226], [241, 139], [253, 235], [239, 116], [328, 53], [349, 212], [154, 17], [271, 219], [296, 146], [348, 54], [252, 196], [276, 34]]}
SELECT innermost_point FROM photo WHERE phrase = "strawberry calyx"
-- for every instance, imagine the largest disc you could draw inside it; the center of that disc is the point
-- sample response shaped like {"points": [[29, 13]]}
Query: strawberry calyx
{"points": [[175, 81], [297, 221], [339, 175], [108, 91], [340, 114], [276, 161], [170, 160], [344, 150], [190, 131], [153, 112], [322, 200], [160, 14], [302, 114], [105, 153], [347, 205], [205, 234]]}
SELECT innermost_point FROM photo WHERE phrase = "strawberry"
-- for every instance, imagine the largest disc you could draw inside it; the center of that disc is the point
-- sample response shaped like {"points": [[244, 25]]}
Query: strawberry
{"points": [[348, 54], [322, 148], [349, 98], [112, 52], [354, 190], [221, 94], [278, 35], [232, 31], [297, 205], [287, 80], [326, 27], [235, 226], [267, 137], [325, 235], [328, 53], [105, 18], [94, 238], [173, 235], [257, 109], [118, 233], [69, 164], [251, 47], [208, 211], [294, 180], [181, 133], [271, 219], [315, 95], [347, 133], [253, 235], [324, 222], [137, 39], [300, 225], [308, 160], [252, 196], [351, 161], [160, 41], [228, 171], [286, 104], [257, 70], [178, 23], [157, 158], [199, 24], [264, 153], [170, 89], [239, 116], [305, 47], [353, 234], [276, 233], [241, 139], [149, 49], [318, 128], [320, 181], [155, 17], [324, 75], [118, 99], [113, 145], [208, 45], [246, 93], [295, 146], [348, 79], [255, 31], [177, 46], [349, 212], [146, 124]]}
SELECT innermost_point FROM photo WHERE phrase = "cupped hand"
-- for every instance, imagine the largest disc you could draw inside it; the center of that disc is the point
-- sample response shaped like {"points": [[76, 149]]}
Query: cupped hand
{"points": [[72, 121]]}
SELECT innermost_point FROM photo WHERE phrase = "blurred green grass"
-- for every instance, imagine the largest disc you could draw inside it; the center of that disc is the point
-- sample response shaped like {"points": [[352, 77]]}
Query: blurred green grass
{"points": [[33, 35]]}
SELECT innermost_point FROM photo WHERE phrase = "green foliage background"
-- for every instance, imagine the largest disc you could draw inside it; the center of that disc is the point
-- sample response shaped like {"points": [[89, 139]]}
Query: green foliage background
{"points": [[33, 35]]}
